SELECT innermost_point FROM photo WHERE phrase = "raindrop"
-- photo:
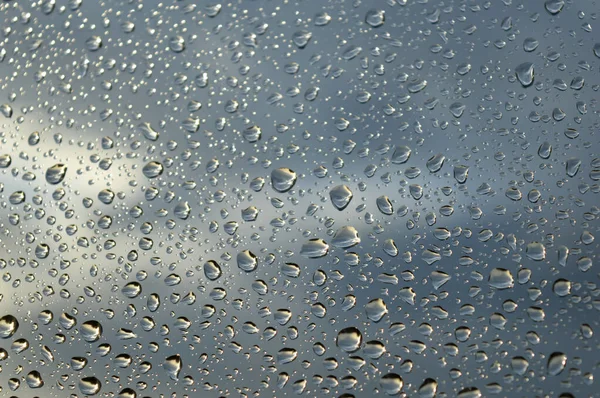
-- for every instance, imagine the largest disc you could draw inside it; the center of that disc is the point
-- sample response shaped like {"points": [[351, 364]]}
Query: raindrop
{"points": [[283, 179], [524, 73], [349, 339], [375, 18], [554, 6], [8, 326], [340, 196], [90, 385], [56, 174], [301, 38], [391, 383], [557, 361], [91, 331]]}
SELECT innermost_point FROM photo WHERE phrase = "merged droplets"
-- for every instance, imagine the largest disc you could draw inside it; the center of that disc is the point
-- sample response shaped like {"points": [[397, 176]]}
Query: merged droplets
{"points": [[390, 248], [172, 366], [461, 173], [148, 132]]}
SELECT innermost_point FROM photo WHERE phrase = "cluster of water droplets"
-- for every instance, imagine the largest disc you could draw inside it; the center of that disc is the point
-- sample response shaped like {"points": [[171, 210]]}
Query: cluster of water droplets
{"points": [[313, 198]]}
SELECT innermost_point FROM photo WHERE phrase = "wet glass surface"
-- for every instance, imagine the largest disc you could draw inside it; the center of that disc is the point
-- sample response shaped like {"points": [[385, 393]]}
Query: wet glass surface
{"points": [[277, 198]]}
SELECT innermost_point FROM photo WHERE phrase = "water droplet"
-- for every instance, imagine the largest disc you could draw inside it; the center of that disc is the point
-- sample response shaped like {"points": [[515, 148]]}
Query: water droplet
{"points": [[345, 237], [391, 383], [283, 179], [524, 73], [90, 385], [212, 270], [286, 355], [385, 205], [56, 174], [375, 18], [557, 361], [530, 44], [172, 366], [349, 339], [376, 309], [554, 6], [153, 169], [34, 379], [314, 248], [435, 163], [247, 261], [536, 251], [501, 278], [301, 38], [8, 326], [132, 290], [401, 154], [5, 160], [428, 388], [91, 331], [177, 44], [94, 43]]}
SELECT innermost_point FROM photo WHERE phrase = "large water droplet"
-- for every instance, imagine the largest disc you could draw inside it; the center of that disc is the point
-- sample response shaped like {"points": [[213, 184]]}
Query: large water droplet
{"points": [[8, 326], [283, 179], [90, 385], [56, 174], [349, 339], [524, 73]]}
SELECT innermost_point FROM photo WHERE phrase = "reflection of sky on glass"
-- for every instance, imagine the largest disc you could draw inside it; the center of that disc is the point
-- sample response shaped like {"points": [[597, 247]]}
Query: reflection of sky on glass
{"points": [[138, 78]]}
